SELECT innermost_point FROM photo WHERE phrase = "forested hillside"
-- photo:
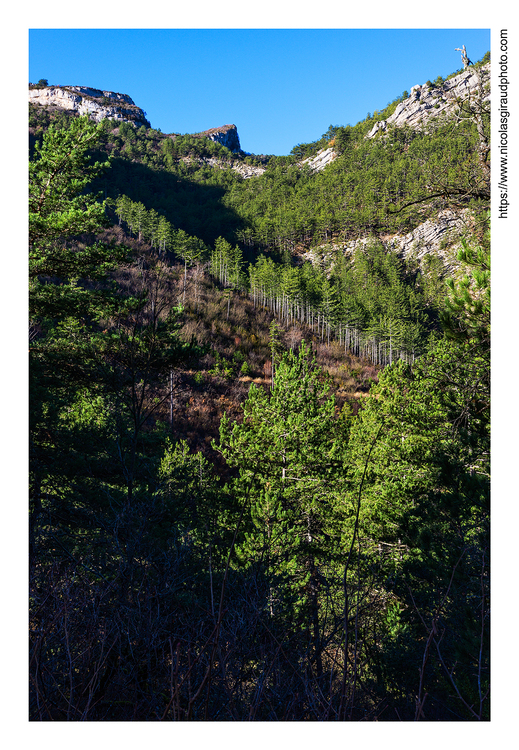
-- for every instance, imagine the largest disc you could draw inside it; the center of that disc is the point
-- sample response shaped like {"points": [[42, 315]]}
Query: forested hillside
{"points": [[259, 433]]}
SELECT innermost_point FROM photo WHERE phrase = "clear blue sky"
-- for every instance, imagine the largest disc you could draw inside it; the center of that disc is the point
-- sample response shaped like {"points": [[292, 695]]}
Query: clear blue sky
{"points": [[279, 87]]}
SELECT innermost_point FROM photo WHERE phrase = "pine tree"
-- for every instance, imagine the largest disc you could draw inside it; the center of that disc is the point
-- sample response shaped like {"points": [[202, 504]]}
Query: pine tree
{"points": [[287, 450], [425, 503], [61, 209]]}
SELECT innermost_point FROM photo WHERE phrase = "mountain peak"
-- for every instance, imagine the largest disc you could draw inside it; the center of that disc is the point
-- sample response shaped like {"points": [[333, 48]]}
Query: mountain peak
{"points": [[97, 104], [227, 135]]}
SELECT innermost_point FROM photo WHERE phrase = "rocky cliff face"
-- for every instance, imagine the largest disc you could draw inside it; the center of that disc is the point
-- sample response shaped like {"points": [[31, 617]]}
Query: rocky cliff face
{"points": [[97, 104], [245, 170], [100, 105], [322, 158], [440, 236], [227, 135], [427, 101]]}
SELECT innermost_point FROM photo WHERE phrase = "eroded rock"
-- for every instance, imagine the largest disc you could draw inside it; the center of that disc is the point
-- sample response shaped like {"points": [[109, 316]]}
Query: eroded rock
{"points": [[98, 105], [426, 102]]}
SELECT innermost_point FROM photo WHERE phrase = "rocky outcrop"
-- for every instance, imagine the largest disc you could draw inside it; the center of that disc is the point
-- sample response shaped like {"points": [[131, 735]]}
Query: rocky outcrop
{"points": [[427, 101], [424, 103], [227, 135], [98, 105], [245, 170], [440, 236], [322, 158]]}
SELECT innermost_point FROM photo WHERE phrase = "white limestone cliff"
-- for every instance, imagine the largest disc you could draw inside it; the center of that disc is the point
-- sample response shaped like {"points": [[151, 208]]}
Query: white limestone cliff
{"points": [[424, 103], [321, 159], [98, 105], [428, 101], [439, 236], [244, 170], [227, 135]]}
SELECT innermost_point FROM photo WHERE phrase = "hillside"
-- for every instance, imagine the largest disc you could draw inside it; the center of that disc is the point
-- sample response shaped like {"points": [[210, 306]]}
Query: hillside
{"points": [[259, 415]]}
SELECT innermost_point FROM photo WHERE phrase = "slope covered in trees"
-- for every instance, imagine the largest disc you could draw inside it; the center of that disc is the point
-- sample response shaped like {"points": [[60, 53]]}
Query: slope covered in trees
{"points": [[224, 524]]}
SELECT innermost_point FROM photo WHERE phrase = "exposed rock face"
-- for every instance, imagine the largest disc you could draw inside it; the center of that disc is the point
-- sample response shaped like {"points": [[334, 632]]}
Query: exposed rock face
{"points": [[245, 170], [440, 236], [97, 104], [426, 102], [227, 135], [381, 125], [321, 159], [98, 94]]}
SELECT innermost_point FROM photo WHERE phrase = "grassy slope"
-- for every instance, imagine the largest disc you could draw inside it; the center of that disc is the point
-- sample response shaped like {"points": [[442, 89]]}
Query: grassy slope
{"points": [[231, 334]]}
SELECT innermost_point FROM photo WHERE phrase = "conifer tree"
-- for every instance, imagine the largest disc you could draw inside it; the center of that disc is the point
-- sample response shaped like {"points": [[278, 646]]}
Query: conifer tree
{"points": [[61, 209], [425, 503], [288, 450]]}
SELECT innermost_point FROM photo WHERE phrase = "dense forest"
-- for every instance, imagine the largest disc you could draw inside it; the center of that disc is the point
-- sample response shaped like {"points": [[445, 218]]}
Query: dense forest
{"points": [[259, 464]]}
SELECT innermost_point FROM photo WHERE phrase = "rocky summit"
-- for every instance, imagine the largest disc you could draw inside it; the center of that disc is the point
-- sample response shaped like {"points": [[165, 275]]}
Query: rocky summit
{"points": [[100, 105], [227, 135], [97, 104]]}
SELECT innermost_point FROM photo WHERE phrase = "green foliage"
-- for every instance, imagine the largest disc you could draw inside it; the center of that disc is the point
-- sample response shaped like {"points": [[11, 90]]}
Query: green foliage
{"points": [[371, 187], [222, 368], [373, 304], [61, 211], [194, 509], [100, 354], [226, 263], [425, 499], [467, 310], [59, 171], [287, 450], [310, 565]]}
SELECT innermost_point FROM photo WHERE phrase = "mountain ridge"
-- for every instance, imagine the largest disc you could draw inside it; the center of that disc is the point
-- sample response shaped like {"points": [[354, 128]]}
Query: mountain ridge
{"points": [[426, 101], [96, 103]]}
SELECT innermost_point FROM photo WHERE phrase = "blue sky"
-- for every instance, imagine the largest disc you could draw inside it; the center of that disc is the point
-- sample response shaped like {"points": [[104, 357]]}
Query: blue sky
{"points": [[279, 86]]}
